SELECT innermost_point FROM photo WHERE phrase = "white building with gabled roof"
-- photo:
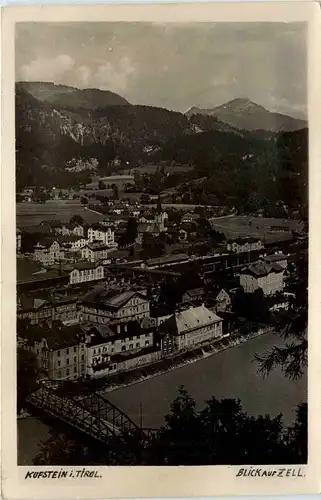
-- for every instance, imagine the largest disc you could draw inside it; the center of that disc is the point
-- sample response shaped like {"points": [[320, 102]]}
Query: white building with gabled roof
{"points": [[189, 327]]}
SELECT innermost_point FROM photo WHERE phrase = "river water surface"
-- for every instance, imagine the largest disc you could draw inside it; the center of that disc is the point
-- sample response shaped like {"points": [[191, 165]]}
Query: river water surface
{"points": [[229, 374]]}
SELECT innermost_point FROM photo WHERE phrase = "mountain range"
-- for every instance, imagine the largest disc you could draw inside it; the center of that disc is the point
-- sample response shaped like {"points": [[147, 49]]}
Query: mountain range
{"points": [[239, 113], [62, 95], [238, 143]]}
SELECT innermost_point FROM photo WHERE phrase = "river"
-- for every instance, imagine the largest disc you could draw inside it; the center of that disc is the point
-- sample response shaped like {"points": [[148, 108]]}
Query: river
{"points": [[228, 374]]}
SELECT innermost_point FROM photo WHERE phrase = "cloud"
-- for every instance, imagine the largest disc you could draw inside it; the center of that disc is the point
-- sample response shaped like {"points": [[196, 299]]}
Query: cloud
{"points": [[83, 75], [115, 76], [47, 69], [283, 105]]}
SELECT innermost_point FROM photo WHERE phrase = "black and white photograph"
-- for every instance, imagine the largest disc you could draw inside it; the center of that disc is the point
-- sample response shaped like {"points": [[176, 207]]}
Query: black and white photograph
{"points": [[162, 228]]}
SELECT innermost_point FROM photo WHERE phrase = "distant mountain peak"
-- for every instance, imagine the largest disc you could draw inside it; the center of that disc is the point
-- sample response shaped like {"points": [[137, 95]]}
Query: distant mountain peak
{"points": [[243, 113]]}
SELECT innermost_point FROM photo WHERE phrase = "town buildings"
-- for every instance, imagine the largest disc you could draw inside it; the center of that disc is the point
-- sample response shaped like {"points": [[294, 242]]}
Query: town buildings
{"points": [[72, 243], [101, 234], [44, 307], [240, 245], [60, 354], [124, 322], [194, 296], [101, 306], [95, 252], [223, 301], [48, 251], [269, 277], [69, 229], [18, 240], [276, 258], [85, 271], [154, 224], [108, 347]]}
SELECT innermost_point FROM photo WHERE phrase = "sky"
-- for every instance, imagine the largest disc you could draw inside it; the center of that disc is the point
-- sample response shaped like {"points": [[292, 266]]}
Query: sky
{"points": [[171, 65]]}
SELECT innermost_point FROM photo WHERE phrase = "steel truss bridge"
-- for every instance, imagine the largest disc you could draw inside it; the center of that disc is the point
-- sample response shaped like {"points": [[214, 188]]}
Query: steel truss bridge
{"points": [[91, 414]]}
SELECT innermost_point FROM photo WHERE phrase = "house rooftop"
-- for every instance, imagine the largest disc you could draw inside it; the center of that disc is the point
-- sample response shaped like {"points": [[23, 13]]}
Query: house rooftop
{"points": [[189, 319], [110, 298], [260, 269], [96, 247], [275, 257], [195, 292], [58, 336], [167, 259], [243, 241]]}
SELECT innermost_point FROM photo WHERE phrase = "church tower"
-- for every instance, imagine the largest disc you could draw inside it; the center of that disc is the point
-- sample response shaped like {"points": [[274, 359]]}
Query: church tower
{"points": [[160, 217]]}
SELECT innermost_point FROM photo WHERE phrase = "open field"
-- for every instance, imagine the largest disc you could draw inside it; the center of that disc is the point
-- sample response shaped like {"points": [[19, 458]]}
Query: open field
{"points": [[258, 227], [151, 169], [32, 214], [109, 194]]}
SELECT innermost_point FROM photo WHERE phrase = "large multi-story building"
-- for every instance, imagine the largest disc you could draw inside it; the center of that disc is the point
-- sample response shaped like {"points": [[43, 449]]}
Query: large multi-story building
{"points": [[48, 251], [189, 327], [62, 354], [240, 245], [70, 229], [104, 342], [101, 306], [85, 271], [38, 309], [95, 252], [276, 258], [269, 277], [73, 243], [105, 235]]}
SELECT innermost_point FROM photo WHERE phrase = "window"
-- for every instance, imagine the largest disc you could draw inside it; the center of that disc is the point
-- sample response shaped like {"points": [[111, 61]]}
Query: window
{"points": [[147, 342], [82, 357], [59, 374], [58, 353], [67, 361], [58, 363], [131, 346], [75, 349], [67, 351], [137, 344], [75, 359], [75, 369], [123, 348], [82, 368], [67, 372]]}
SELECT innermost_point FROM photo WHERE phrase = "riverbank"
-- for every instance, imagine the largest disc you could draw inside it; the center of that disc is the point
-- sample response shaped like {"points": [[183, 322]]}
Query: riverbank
{"points": [[139, 375], [233, 373]]}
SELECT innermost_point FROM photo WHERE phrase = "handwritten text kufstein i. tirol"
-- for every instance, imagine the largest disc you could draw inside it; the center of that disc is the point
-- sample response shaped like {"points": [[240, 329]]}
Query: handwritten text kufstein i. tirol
{"points": [[275, 472], [63, 474]]}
